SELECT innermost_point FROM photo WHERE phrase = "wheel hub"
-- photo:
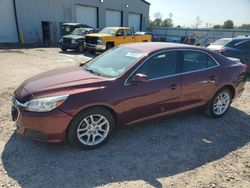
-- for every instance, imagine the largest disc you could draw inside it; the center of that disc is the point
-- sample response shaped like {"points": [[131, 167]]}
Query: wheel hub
{"points": [[93, 129]]}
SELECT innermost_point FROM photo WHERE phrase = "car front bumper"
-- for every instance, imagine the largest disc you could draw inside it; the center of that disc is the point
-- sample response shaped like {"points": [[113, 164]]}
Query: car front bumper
{"points": [[96, 47], [46, 127], [69, 46]]}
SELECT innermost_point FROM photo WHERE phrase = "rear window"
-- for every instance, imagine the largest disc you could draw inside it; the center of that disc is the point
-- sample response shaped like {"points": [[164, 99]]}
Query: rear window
{"points": [[194, 60]]}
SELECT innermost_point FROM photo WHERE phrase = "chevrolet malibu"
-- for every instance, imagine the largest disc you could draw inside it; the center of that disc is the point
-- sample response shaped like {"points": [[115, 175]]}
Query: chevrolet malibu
{"points": [[85, 104]]}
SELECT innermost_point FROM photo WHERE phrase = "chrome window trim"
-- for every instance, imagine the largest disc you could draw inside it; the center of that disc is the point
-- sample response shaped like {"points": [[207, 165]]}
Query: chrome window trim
{"points": [[178, 74], [242, 42]]}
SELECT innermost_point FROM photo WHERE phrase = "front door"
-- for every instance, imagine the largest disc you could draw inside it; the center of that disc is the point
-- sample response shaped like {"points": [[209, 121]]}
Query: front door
{"points": [[200, 74], [120, 37], [160, 94]]}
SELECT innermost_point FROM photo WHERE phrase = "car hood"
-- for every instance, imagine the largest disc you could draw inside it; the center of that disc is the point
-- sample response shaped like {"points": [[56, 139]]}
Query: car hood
{"points": [[98, 35], [74, 36], [58, 82], [214, 47]]}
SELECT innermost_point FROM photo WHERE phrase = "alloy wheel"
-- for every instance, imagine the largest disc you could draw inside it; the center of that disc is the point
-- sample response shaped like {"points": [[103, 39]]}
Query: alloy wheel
{"points": [[93, 129], [221, 103]]}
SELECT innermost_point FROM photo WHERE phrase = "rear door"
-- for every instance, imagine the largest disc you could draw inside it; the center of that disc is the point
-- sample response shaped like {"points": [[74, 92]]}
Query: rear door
{"points": [[160, 95], [200, 74]]}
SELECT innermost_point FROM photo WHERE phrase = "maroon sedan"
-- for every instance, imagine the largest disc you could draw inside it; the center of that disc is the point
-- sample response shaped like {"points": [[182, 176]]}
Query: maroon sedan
{"points": [[124, 86]]}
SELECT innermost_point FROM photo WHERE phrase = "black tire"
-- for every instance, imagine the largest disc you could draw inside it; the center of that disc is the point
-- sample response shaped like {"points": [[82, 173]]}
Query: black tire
{"points": [[92, 51], [109, 46], [72, 134], [210, 111], [64, 49], [81, 48]]}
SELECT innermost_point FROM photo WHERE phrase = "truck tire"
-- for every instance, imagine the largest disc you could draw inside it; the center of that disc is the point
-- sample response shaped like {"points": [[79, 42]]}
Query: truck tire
{"points": [[109, 46], [64, 49], [81, 48]]}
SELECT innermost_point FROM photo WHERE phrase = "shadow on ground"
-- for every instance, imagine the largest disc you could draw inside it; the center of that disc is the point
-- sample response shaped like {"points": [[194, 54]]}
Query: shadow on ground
{"points": [[153, 150]]}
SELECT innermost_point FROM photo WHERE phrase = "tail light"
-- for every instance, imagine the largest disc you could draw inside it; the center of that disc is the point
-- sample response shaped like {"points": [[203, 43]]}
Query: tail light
{"points": [[222, 50]]}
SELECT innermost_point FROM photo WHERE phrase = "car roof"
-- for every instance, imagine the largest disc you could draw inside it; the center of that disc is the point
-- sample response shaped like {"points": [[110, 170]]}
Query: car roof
{"points": [[119, 27], [241, 38], [155, 46], [86, 29]]}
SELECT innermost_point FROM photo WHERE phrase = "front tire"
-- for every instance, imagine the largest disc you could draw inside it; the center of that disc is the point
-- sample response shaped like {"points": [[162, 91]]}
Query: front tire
{"points": [[109, 46], [219, 104], [91, 128], [81, 48], [64, 49]]}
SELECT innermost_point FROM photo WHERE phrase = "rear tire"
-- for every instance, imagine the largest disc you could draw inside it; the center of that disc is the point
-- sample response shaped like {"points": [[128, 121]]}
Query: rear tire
{"points": [[219, 104], [91, 128]]}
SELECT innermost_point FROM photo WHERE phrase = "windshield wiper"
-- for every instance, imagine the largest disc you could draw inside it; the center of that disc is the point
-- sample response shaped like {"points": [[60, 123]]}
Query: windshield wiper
{"points": [[93, 72]]}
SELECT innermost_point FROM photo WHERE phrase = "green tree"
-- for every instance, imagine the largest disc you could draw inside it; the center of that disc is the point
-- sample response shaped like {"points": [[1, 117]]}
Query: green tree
{"points": [[157, 22], [229, 24], [150, 23], [167, 23], [245, 27], [217, 27], [178, 27]]}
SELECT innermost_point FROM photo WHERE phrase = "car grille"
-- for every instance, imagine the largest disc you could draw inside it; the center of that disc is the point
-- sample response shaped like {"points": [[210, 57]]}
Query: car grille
{"points": [[91, 40], [67, 40]]}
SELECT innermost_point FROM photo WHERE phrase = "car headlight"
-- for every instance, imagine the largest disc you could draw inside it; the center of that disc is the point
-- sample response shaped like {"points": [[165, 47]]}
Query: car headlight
{"points": [[100, 41], [73, 41], [45, 104]]}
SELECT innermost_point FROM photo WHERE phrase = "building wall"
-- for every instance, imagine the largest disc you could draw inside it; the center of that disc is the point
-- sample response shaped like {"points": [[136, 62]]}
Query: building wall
{"points": [[30, 14]]}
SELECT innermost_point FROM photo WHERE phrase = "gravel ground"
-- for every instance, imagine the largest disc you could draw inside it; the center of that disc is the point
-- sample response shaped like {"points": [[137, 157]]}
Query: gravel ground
{"points": [[190, 150]]}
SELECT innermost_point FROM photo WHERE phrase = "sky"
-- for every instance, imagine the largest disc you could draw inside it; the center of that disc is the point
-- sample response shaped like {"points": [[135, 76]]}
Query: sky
{"points": [[212, 12]]}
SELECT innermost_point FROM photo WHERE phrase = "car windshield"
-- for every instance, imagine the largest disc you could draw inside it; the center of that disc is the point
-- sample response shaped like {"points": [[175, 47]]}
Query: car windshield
{"points": [[115, 62], [222, 42], [78, 31], [109, 31]]}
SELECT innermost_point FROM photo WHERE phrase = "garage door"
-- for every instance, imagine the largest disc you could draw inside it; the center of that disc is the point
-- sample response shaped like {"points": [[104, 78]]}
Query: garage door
{"points": [[8, 32], [113, 18], [86, 15], [134, 20]]}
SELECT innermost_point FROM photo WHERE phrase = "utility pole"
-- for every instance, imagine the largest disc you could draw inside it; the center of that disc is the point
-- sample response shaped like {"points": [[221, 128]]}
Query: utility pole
{"points": [[198, 22], [170, 16]]}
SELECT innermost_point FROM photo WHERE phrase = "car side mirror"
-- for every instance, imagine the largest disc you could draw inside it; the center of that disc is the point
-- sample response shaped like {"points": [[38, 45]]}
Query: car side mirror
{"points": [[139, 78]]}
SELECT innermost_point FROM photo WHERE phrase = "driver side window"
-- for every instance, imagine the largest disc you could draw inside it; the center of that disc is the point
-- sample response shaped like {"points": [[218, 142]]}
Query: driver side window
{"points": [[120, 32], [160, 65]]}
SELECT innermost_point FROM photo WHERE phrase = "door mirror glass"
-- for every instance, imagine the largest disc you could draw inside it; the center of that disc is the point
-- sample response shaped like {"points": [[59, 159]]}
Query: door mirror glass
{"points": [[139, 78]]}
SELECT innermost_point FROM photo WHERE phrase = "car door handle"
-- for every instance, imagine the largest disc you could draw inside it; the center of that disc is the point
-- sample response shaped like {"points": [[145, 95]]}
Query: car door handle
{"points": [[173, 87]]}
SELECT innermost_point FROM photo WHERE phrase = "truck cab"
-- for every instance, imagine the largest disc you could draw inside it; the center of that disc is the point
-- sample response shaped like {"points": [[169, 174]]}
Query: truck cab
{"points": [[110, 37]]}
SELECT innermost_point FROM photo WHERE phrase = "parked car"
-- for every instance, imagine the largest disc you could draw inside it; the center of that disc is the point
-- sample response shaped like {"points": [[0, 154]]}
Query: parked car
{"points": [[139, 33], [110, 37], [76, 39], [238, 47], [129, 84]]}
